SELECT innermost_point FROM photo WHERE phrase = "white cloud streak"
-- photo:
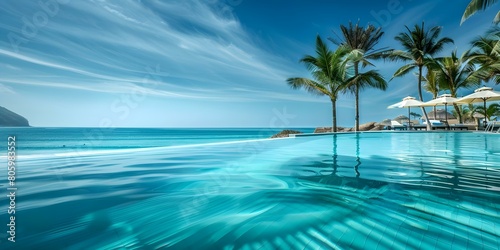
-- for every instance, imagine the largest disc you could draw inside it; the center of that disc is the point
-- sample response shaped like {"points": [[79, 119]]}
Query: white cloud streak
{"points": [[105, 46]]}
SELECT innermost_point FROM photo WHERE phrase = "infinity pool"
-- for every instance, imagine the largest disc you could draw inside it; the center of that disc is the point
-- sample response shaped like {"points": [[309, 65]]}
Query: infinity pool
{"points": [[346, 191]]}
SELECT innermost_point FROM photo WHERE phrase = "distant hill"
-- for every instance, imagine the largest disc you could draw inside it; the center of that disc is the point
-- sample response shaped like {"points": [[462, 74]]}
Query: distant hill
{"points": [[11, 119]]}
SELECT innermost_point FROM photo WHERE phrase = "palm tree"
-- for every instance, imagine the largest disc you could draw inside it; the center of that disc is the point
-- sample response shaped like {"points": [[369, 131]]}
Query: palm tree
{"points": [[454, 73], [361, 41], [330, 72], [478, 5], [431, 85], [491, 110], [485, 52], [415, 115], [419, 47]]}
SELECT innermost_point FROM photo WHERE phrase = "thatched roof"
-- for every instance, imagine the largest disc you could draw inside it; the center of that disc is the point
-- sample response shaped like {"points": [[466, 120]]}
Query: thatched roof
{"points": [[440, 114], [401, 118], [386, 122]]}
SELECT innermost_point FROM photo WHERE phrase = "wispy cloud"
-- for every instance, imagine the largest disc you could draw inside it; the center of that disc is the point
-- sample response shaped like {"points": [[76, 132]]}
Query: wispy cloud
{"points": [[105, 46], [6, 89]]}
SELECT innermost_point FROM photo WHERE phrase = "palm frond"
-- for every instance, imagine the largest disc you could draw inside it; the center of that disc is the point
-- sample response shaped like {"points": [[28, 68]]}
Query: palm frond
{"points": [[439, 45], [454, 73], [431, 82], [491, 110], [475, 6], [485, 53], [309, 85], [361, 39], [419, 43], [372, 79], [404, 70], [378, 54], [399, 55]]}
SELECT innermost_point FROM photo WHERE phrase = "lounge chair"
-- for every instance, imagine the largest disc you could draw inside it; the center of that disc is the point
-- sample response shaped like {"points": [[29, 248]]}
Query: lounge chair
{"points": [[419, 127], [455, 125], [436, 124], [442, 126], [459, 126], [397, 126]]}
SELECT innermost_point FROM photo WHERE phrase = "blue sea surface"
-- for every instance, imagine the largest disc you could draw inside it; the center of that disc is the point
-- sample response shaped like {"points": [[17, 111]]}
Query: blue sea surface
{"points": [[79, 140], [398, 190]]}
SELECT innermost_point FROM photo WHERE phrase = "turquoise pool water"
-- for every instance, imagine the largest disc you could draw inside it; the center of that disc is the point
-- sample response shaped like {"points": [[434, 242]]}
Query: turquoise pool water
{"points": [[346, 191]]}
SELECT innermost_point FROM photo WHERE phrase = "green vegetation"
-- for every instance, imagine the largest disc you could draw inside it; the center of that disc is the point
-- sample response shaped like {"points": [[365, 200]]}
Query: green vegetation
{"points": [[491, 110], [420, 46], [361, 44], [415, 115], [431, 85], [485, 53], [341, 71], [466, 112], [330, 72], [478, 5], [454, 73]]}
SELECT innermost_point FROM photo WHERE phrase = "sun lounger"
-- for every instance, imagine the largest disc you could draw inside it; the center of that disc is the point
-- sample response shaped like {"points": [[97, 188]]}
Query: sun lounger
{"points": [[420, 127], [436, 124], [442, 126], [397, 126], [459, 126]]}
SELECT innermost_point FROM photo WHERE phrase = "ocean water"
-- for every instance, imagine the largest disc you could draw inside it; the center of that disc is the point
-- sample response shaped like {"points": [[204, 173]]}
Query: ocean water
{"points": [[347, 191], [81, 141]]}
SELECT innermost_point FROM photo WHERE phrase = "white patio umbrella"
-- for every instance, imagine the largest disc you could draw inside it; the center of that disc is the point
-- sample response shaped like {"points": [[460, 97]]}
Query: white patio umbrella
{"points": [[444, 99], [407, 102], [481, 95]]}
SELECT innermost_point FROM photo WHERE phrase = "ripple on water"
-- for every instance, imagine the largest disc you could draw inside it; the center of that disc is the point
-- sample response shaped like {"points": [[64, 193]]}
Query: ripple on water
{"points": [[350, 191]]}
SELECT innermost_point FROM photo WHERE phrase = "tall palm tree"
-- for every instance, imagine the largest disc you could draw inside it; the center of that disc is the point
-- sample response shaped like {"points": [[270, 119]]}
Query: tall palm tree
{"points": [[330, 72], [478, 5], [419, 47], [485, 52], [361, 41], [431, 85], [453, 74]]}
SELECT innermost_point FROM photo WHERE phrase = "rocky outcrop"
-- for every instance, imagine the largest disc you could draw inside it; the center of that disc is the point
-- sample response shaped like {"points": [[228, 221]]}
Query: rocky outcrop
{"points": [[11, 119], [370, 126], [329, 129], [286, 133], [367, 126], [323, 130], [378, 127]]}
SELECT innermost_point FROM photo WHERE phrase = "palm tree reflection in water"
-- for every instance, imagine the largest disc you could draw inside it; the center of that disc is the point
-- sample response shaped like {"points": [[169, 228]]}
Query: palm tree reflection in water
{"points": [[334, 178], [335, 155], [358, 160]]}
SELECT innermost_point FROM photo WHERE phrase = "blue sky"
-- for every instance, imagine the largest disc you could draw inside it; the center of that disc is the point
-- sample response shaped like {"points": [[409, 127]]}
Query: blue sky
{"points": [[212, 63]]}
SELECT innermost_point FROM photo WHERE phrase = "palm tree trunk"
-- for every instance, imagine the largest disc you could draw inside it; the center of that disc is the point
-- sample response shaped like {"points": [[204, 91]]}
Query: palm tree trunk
{"points": [[356, 94], [334, 115], [459, 113], [421, 97], [434, 108]]}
